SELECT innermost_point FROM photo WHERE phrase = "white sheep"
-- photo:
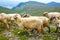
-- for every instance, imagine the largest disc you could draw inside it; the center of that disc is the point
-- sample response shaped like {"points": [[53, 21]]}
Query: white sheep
{"points": [[43, 18], [31, 23], [52, 14]]}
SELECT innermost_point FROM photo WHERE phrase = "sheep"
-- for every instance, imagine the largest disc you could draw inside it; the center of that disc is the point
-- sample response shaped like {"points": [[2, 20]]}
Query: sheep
{"points": [[26, 15], [44, 19], [31, 23], [52, 14], [10, 17], [56, 22], [45, 22], [6, 18], [3, 19]]}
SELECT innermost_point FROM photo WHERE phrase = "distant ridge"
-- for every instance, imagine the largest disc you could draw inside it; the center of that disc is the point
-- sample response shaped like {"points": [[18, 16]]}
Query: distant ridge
{"points": [[6, 10], [36, 8], [39, 3], [33, 7], [54, 4]]}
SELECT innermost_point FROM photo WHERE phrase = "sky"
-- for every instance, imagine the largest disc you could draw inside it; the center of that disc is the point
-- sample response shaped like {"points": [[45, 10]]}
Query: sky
{"points": [[12, 3]]}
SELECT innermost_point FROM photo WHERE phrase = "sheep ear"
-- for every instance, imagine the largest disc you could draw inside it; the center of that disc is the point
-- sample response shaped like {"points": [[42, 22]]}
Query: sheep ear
{"points": [[54, 17], [24, 15]]}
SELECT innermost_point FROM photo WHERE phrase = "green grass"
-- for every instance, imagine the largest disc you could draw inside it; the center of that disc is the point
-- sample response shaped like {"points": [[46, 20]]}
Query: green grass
{"points": [[3, 38], [23, 38], [2, 27], [16, 31], [21, 32], [6, 10], [50, 37], [52, 30]]}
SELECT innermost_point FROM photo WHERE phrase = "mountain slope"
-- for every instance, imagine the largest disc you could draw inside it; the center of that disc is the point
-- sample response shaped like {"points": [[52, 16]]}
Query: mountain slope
{"points": [[5, 10], [53, 4], [36, 8]]}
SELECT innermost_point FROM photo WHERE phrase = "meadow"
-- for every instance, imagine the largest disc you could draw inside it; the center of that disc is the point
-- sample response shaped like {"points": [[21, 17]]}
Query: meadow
{"points": [[32, 8], [16, 34]]}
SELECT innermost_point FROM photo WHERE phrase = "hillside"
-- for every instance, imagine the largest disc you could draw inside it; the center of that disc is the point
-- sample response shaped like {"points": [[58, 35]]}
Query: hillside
{"points": [[6, 10], [36, 8]]}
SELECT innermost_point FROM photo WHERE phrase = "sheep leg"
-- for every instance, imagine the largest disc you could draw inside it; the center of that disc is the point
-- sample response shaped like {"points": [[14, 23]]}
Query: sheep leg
{"points": [[49, 29], [6, 23], [25, 28], [40, 29], [56, 29], [32, 30]]}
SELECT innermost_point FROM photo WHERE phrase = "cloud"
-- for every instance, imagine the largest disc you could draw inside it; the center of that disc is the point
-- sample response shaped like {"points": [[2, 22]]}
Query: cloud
{"points": [[46, 1], [13, 0], [10, 3]]}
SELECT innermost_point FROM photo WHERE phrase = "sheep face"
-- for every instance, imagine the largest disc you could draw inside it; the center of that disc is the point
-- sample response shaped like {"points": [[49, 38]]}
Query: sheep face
{"points": [[17, 16], [26, 15], [58, 24], [45, 14], [12, 19]]}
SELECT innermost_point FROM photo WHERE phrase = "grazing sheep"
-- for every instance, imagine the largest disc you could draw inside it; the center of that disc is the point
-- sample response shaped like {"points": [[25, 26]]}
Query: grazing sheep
{"points": [[10, 17], [52, 14], [26, 15], [3, 19], [6, 18], [44, 19], [31, 23], [45, 22], [56, 22]]}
